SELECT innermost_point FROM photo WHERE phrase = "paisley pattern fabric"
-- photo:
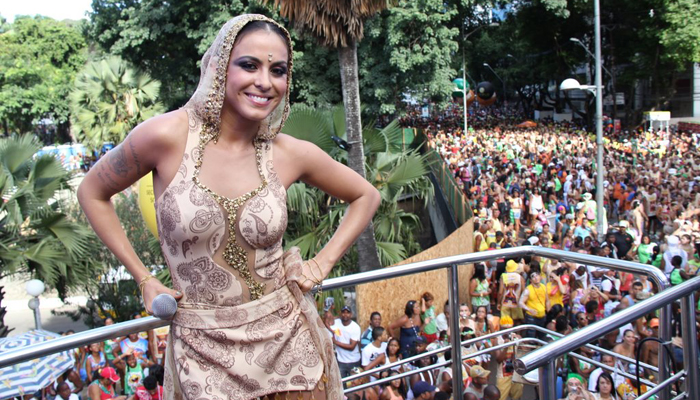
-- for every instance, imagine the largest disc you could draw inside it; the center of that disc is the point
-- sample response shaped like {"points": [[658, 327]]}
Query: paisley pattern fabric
{"points": [[220, 346]]}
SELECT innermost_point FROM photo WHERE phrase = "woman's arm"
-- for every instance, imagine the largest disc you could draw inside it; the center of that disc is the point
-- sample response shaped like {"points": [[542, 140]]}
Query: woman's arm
{"points": [[397, 324], [305, 161], [150, 146]]}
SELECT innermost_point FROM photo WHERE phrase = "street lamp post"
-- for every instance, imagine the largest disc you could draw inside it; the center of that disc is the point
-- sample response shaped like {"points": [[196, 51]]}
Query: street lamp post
{"points": [[464, 70], [499, 78], [35, 288]]}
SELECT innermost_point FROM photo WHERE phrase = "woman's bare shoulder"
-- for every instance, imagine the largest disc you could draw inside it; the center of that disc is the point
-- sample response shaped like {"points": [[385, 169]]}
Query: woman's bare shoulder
{"points": [[166, 129]]}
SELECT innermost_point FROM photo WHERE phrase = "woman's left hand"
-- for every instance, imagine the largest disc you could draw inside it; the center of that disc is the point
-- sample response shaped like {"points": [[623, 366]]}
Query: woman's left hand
{"points": [[306, 283]]}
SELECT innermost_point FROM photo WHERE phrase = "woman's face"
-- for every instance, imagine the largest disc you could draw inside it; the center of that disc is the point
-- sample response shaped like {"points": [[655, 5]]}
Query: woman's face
{"points": [[393, 347], [416, 309], [646, 240], [481, 313], [630, 338], [255, 86], [604, 386], [464, 312]]}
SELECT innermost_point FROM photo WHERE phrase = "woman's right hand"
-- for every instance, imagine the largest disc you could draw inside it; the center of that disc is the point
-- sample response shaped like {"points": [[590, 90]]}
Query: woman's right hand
{"points": [[153, 288]]}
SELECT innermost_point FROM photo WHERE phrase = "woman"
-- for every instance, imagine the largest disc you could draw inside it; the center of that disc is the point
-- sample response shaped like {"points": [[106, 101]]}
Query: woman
{"points": [[627, 348], [576, 391], [393, 354], [410, 326], [394, 390], [480, 287], [516, 206], [221, 212], [96, 360], [605, 388]]}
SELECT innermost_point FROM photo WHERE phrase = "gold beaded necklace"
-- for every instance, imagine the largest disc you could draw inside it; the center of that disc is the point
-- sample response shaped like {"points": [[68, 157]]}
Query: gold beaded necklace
{"points": [[234, 254]]}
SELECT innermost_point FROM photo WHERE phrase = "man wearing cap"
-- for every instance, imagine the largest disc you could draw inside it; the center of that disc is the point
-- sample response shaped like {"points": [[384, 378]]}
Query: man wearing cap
{"points": [[479, 379], [346, 338], [423, 390], [103, 388]]}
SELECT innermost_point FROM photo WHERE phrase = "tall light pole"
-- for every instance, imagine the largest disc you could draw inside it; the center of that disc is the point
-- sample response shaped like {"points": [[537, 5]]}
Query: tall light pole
{"points": [[499, 78], [600, 178]]}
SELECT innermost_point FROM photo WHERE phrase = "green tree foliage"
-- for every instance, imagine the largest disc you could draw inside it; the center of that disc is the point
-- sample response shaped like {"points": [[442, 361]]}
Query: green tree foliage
{"points": [[39, 58], [36, 236], [408, 49], [111, 289], [110, 98]]}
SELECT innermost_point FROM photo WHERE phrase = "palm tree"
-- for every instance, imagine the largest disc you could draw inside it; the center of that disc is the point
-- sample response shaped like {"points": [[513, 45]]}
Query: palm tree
{"points": [[36, 237], [110, 98], [394, 171], [339, 24]]}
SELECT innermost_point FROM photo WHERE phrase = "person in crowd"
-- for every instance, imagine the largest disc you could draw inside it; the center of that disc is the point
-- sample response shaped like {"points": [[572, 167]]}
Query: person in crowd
{"points": [[479, 379], [535, 302], [374, 354], [346, 338], [395, 389], [650, 348], [375, 320], [608, 360], [505, 360], [480, 287], [132, 368], [443, 319], [63, 392], [492, 392], [428, 317], [96, 360], [132, 344], [393, 354], [423, 390], [510, 289], [103, 388], [628, 347], [149, 390], [407, 328], [369, 393], [576, 391], [605, 388]]}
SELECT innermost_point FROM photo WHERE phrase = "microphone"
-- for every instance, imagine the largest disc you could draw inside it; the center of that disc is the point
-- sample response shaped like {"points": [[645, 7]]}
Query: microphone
{"points": [[164, 306]]}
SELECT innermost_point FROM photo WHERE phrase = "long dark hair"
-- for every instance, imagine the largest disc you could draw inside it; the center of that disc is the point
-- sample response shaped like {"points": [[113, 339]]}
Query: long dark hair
{"points": [[479, 272], [608, 378]]}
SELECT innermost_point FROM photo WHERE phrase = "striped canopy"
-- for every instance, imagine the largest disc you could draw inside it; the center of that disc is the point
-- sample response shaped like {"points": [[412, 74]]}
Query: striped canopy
{"points": [[30, 376]]}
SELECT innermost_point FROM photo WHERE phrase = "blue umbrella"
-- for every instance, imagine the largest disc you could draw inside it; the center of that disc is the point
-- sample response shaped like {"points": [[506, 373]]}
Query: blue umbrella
{"points": [[31, 376]]}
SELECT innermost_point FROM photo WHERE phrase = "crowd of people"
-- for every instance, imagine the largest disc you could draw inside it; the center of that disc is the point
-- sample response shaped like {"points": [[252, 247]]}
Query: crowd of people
{"points": [[124, 368]]}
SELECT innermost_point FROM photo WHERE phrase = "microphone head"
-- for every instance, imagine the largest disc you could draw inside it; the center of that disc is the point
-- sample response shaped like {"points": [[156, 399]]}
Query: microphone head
{"points": [[164, 306]]}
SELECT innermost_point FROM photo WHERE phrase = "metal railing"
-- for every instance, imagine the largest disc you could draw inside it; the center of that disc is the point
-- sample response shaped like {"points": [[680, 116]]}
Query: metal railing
{"points": [[502, 332], [534, 360], [542, 358]]}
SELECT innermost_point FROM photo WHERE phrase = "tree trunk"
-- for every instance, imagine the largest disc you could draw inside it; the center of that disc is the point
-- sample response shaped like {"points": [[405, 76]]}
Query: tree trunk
{"points": [[368, 256], [4, 330]]}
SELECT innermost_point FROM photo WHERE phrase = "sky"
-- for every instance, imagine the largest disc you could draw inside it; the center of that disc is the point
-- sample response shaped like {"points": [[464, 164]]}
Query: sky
{"points": [[56, 9]]}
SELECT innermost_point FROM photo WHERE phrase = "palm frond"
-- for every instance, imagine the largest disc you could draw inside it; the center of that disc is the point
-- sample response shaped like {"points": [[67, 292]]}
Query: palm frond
{"points": [[310, 124], [391, 253]]}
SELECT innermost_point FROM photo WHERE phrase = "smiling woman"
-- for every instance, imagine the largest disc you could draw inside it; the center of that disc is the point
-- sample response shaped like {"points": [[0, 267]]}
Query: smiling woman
{"points": [[246, 326]]}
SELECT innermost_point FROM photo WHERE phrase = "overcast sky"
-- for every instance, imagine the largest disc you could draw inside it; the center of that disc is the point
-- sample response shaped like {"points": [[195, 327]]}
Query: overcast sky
{"points": [[56, 9]]}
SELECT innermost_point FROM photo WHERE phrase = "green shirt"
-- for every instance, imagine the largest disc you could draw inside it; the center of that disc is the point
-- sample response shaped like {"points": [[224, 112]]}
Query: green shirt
{"points": [[676, 278], [431, 327], [644, 252]]}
